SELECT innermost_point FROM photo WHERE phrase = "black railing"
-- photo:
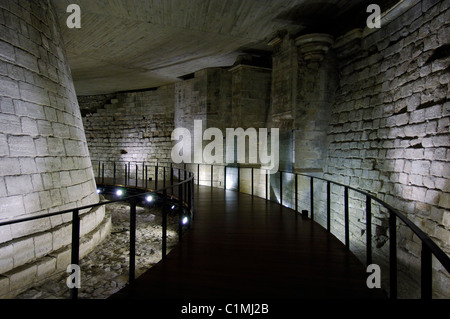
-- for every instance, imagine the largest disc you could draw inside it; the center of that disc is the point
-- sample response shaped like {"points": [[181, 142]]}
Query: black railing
{"points": [[184, 189], [185, 210], [429, 247]]}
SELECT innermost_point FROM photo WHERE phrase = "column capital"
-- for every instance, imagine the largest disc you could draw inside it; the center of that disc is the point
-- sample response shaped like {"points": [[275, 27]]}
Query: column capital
{"points": [[313, 47]]}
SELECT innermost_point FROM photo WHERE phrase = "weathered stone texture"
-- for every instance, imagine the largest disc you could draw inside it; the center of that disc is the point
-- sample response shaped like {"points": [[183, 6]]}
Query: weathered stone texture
{"points": [[41, 139], [134, 127], [388, 131]]}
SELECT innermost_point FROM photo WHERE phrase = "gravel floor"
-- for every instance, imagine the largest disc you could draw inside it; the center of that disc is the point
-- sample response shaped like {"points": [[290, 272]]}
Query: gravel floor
{"points": [[105, 270]]}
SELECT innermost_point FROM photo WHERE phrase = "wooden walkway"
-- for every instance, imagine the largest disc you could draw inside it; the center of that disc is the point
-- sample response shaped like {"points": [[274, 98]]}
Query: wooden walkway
{"points": [[241, 246]]}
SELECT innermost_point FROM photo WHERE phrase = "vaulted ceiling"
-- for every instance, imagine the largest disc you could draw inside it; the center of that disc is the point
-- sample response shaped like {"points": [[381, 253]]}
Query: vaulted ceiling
{"points": [[135, 44]]}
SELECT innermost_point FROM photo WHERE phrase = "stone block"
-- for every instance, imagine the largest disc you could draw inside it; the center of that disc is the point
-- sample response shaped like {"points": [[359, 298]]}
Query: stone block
{"points": [[29, 126], [43, 244], [27, 166], [62, 236], [444, 200], [433, 112], [9, 87], [33, 94], [30, 227], [432, 197], [9, 166], [22, 276], [62, 259], [23, 251], [31, 202], [21, 146], [6, 258], [45, 267], [5, 234], [440, 169], [4, 148], [26, 60], [17, 185], [7, 52], [10, 124], [420, 167], [31, 110], [4, 285], [11, 206]]}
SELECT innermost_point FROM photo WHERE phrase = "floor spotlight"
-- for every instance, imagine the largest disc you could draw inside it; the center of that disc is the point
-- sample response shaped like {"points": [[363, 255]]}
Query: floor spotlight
{"points": [[99, 191], [185, 220], [149, 198], [119, 192]]}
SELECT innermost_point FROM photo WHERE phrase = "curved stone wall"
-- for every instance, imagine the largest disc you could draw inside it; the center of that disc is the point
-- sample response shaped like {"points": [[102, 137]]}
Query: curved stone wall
{"points": [[44, 159]]}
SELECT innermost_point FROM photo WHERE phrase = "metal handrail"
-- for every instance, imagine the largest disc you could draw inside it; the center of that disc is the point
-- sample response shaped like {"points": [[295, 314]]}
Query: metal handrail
{"points": [[75, 245], [429, 247]]}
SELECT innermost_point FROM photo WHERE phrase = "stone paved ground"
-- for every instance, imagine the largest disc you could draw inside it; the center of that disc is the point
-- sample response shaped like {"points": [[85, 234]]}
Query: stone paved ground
{"points": [[105, 270]]}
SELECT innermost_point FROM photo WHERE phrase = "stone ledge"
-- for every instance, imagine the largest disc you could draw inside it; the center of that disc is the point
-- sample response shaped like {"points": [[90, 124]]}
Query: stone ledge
{"points": [[52, 265]]}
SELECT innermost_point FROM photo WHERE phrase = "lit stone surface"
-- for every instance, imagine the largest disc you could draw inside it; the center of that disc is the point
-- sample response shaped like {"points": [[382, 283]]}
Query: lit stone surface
{"points": [[104, 270], [41, 130]]}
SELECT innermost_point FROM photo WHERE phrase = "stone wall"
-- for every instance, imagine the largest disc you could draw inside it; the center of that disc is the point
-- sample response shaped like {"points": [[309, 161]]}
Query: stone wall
{"points": [[389, 130], [133, 127], [44, 159]]}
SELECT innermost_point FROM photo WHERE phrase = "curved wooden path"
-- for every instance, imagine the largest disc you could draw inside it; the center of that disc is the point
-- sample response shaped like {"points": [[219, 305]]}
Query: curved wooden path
{"points": [[241, 246]]}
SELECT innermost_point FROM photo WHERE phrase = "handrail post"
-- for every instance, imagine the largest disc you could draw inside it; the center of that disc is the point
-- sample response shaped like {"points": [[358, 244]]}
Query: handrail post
{"points": [[99, 171], [156, 176], [239, 179], [224, 178], [164, 177], [136, 175], [426, 281], [212, 175], [296, 194], [75, 253], [192, 199], [311, 196], [180, 212], [171, 173], [103, 173], [368, 230], [252, 180], [198, 174], [132, 267], [281, 188], [346, 224], [267, 185], [126, 173], [129, 170], [114, 174], [146, 175], [164, 225], [328, 206], [189, 198], [392, 256]]}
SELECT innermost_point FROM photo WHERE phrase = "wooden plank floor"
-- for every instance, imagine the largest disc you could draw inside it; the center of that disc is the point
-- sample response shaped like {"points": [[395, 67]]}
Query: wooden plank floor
{"points": [[246, 247]]}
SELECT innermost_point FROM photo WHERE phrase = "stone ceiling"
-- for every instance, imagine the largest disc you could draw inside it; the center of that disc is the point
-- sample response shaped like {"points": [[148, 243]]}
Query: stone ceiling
{"points": [[127, 45]]}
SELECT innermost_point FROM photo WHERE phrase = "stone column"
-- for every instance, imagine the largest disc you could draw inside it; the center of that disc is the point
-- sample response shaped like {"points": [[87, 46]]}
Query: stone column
{"points": [[317, 82]]}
